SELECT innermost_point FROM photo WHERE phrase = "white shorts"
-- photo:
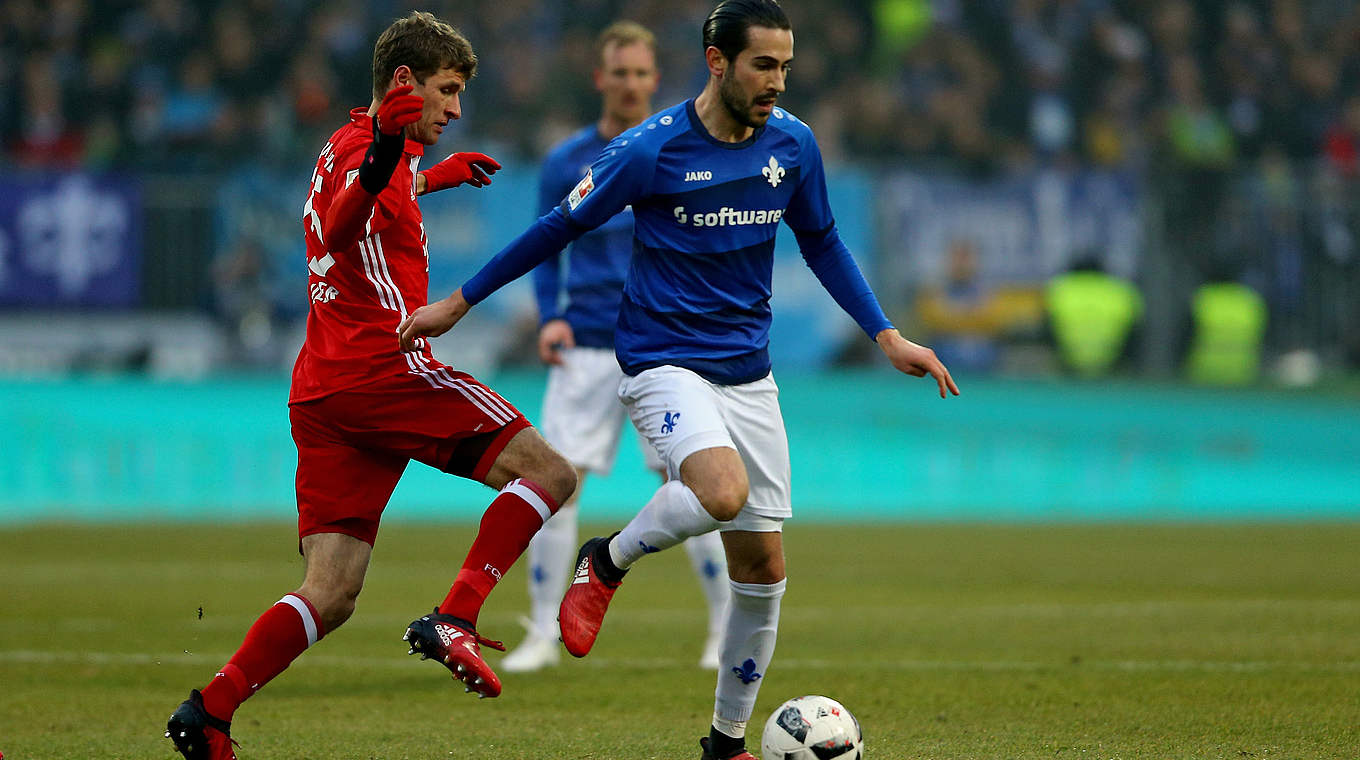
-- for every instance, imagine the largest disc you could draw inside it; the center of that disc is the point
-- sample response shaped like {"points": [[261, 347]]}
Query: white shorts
{"points": [[582, 416], [680, 413]]}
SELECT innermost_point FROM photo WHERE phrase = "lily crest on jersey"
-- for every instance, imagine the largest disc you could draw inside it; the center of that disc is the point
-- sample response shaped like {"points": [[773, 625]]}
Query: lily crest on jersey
{"points": [[773, 172]]}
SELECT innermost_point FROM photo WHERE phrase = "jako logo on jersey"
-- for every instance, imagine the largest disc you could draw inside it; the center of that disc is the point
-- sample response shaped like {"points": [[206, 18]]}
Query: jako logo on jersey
{"points": [[323, 293], [581, 190], [773, 172], [698, 176], [669, 425], [729, 217]]}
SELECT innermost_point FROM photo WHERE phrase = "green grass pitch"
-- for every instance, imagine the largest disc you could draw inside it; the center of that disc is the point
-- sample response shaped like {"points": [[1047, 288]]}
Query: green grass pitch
{"points": [[1090, 642]]}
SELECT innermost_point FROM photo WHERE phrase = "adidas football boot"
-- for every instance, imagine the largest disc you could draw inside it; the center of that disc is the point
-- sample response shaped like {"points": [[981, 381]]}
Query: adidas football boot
{"points": [[458, 646], [198, 735], [586, 601], [708, 755]]}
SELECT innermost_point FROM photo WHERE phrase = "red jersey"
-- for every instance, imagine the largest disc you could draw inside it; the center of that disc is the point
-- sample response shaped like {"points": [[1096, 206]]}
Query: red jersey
{"points": [[360, 295]]}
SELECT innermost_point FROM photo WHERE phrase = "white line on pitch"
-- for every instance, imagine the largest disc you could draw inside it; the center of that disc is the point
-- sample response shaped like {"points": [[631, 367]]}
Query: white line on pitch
{"points": [[41, 657]]}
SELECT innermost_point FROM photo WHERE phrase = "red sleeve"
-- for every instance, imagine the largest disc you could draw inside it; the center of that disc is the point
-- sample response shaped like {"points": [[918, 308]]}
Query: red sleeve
{"points": [[353, 213]]}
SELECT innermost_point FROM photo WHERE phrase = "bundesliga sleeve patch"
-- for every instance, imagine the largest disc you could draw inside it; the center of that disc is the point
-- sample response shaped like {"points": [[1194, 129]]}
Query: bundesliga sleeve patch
{"points": [[580, 192]]}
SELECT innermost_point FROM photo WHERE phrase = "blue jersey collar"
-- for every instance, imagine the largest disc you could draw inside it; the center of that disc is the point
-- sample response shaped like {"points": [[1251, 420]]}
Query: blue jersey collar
{"points": [[698, 127]]}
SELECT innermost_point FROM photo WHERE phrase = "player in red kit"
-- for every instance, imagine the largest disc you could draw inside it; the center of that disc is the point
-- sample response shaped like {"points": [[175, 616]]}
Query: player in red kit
{"points": [[361, 407]]}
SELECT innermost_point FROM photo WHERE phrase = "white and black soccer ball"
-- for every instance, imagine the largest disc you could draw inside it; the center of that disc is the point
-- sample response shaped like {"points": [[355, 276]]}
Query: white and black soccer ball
{"points": [[812, 728]]}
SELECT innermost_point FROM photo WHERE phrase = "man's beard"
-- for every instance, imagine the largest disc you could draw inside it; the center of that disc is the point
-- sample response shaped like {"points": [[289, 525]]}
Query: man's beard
{"points": [[422, 133], [737, 107]]}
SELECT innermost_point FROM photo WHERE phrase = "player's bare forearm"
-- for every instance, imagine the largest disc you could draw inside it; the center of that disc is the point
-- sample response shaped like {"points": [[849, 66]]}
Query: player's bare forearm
{"points": [[915, 360], [432, 320]]}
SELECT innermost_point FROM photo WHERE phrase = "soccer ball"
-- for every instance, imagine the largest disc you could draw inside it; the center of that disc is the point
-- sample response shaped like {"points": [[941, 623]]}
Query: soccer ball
{"points": [[811, 728]]}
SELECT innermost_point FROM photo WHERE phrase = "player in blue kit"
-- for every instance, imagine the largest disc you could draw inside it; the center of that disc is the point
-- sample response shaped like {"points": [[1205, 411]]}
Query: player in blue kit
{"points": [[709, 181], [582, 416]]}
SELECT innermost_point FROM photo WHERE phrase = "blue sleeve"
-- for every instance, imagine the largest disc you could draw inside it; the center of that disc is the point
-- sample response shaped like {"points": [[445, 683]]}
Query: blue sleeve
{"points": [[620, 175], [835, 268], [809, 216], [548, 275], [809, 209], [553, 183], [545, 237]]}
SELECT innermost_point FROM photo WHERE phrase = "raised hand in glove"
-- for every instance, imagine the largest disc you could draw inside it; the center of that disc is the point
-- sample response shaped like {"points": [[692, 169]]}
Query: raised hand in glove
{"points": [[398, 109]]}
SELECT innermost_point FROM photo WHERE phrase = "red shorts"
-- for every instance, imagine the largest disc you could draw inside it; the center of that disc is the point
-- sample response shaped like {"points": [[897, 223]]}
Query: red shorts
{"points": [[354, 445]]}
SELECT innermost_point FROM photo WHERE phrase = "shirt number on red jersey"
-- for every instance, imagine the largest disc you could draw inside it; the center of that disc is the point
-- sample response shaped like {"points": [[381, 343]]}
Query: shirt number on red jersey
{"points": [[324, 163]]}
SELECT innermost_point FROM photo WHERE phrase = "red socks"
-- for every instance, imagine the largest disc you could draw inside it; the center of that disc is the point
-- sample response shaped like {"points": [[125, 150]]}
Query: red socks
{"points": [[282, 633], [285, 630], [512, 519]]}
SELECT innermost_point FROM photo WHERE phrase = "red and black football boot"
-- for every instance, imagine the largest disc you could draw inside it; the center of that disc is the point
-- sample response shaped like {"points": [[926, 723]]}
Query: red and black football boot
{"points": [[458, 645], [587, 599], [708, 755], [198, 735]]}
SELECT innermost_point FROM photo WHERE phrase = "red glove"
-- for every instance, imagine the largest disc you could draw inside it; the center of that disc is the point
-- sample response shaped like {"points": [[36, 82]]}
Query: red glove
{"points": [[471, 168], [399, 108]]}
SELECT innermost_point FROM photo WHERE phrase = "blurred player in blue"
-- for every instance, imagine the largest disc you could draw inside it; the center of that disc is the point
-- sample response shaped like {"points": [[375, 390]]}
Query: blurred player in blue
{"points": [[708, 180], [582, 416]]}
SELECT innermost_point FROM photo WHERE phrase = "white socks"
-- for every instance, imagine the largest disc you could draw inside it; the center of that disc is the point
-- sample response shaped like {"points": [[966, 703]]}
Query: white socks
{"points": [[672, 515], [709, 560], [752, 625], [552, 558]]}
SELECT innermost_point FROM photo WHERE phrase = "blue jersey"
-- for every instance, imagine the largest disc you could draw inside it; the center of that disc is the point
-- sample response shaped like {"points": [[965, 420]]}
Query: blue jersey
{"points": [[705, 214], [596, 263]]}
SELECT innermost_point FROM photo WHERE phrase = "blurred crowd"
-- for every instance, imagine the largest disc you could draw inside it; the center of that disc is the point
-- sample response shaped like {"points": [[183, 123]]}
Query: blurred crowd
{"points": [[982, 85], [1240, 120]]}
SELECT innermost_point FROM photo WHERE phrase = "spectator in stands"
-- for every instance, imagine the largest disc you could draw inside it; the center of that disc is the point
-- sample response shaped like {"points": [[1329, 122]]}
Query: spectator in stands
{"points": [[1229, 323], [1091, 314], [243, 303], [44, 137], [1341, 143], [193, 106], [978, 86], [1193, 96], [960, 316]]}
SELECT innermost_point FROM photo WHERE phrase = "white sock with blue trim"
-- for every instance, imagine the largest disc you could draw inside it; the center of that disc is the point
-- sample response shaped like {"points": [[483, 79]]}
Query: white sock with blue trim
{"points": [[752, 625], [672, 515], [552, 556], [709, 560]]}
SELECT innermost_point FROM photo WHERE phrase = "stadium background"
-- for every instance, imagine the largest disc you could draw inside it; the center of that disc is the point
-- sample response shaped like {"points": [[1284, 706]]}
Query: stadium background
{"points": [[152, 283], [1132, 565]]}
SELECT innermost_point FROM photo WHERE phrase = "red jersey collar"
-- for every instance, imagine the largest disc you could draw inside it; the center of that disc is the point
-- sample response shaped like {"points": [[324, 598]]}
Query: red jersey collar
{"points": [[359, 117]]}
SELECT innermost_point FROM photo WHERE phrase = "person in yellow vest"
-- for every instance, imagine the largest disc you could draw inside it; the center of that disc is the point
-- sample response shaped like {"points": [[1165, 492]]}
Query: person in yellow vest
{"points": [[1229, 325], [1091, 314]]}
